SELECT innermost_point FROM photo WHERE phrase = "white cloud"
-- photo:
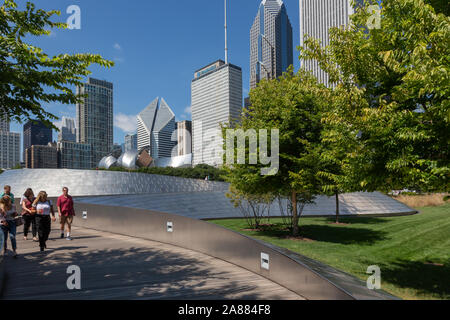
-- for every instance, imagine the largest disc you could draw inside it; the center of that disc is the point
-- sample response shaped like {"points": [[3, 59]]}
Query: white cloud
{"points": [[126, 123], [117, 46], [188, 110]]}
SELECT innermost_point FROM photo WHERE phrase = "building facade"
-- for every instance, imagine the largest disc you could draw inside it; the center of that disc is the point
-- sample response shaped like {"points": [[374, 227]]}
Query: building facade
{"points": [[216, 98], [4, 123], [184, 137], [68, 130], [156, 127], [41, 157], [9, 149], [73, 155], [316, 18], [36, 133], [131, 142], [95, 118], [271, 46]]}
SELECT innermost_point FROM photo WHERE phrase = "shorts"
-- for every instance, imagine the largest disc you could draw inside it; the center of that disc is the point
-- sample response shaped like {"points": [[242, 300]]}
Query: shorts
{"points": [[66, 219]]}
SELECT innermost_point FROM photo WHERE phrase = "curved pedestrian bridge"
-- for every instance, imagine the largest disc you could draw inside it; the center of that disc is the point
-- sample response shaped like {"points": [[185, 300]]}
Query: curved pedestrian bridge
{"points": [[121, 267]]}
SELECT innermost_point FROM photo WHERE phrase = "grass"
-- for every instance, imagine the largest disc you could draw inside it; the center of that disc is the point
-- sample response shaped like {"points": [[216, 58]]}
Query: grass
{"points": [[422, 201], [413, 252]]}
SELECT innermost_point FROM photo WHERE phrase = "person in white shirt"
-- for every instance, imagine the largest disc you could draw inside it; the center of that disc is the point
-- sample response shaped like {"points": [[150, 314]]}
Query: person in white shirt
{"points": [[43, 208]]}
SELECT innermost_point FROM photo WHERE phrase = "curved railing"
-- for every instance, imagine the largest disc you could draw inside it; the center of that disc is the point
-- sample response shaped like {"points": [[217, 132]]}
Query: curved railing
{"points": [[308, 278]]}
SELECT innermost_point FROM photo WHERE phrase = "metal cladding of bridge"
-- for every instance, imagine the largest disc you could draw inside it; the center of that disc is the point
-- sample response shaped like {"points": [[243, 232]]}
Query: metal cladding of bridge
{"points": [[140, 236]]}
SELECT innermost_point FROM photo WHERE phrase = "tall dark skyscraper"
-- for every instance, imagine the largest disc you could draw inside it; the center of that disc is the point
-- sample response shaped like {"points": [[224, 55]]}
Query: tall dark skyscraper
{"points": [[95, 118], [271, 48], [35, 133]]}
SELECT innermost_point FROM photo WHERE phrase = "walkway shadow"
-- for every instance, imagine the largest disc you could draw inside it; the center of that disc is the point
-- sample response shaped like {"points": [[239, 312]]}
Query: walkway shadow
{"points": [[332, 234], [358, 220], [426, 278], [111, 274]]}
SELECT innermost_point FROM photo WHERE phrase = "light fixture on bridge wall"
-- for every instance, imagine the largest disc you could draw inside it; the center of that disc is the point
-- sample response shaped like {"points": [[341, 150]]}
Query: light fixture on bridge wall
{"points": [[170, 227], [265, 261]]}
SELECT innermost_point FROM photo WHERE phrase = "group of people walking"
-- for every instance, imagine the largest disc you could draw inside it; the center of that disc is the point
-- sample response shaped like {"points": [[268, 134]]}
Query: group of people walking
{"points": [[37, 213]]}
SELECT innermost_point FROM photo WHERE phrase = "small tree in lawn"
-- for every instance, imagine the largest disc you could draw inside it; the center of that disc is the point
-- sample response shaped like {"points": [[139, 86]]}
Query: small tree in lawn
{"points": [[291, 104], [27, 73]]}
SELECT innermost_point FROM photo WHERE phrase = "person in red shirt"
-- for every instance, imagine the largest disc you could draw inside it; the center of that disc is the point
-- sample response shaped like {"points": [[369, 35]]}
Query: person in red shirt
{"points": [[66, 212]]}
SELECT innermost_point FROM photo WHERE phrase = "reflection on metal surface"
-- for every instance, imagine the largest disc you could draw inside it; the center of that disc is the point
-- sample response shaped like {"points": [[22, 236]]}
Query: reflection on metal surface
{"points": [[175, 162], [101, 183], [128, 160], [107, 162]]}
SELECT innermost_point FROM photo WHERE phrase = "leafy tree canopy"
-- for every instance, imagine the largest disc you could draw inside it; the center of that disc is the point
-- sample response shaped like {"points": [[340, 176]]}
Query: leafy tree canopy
{"points": [[30, 78]]}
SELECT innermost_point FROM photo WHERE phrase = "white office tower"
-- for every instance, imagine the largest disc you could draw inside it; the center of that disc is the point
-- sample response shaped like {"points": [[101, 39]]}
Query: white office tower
{"points": [[156, 125], [68, 131], [216, 99], [316, 18], [271, 48]]}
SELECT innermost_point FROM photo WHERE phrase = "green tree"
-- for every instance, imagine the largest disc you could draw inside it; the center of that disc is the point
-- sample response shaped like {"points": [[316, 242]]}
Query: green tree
{"points": [[292, 104], [28, 76], [393, 88]]}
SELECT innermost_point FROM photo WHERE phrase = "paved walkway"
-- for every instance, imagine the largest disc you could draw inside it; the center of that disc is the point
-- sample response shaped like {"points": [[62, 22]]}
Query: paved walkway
{"points": [[120, 267]]}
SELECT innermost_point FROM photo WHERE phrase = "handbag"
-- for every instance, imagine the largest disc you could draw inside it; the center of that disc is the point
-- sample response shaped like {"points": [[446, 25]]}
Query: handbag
{"points": [[18, 221]]}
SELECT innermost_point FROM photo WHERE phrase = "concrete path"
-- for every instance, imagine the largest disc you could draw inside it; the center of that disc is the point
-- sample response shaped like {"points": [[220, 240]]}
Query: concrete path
{"points": [[120, 267]]}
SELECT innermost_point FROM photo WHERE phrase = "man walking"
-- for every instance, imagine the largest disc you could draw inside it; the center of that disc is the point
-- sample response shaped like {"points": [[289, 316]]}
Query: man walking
{"points": [[7, 192], [66, 212]]}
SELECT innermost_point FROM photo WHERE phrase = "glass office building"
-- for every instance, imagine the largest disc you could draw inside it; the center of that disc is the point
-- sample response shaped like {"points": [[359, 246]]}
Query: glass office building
{"points": [[271, 48], [156, 127], [73, 155], [36, 133], [95, 118]]}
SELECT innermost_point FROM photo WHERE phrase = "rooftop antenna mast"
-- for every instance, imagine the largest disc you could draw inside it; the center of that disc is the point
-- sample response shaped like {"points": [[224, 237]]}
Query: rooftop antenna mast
{"points": [[226, 35]]}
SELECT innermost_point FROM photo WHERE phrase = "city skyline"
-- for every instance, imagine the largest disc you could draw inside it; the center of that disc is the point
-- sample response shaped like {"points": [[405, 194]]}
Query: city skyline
{"points": [[206, 46]]}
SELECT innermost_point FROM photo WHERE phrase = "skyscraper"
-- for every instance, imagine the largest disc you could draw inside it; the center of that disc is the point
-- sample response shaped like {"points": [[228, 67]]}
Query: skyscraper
{"points": [[41, 157], [316, 18], [271, 48], [216, 99], [68, 131], [36, 133], [131, 142], [9, 149], [4, 123], [73, 155], [95, 118], [156, 125]]}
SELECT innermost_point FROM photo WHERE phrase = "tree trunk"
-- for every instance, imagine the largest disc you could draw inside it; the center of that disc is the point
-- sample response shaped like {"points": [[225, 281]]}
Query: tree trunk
{"points": [[295, 229], [337, 206]]}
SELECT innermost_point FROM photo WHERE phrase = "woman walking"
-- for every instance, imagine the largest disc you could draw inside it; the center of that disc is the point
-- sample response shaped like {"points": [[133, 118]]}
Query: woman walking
{"points": [[29, 215], [8, 224], [43, 208]]}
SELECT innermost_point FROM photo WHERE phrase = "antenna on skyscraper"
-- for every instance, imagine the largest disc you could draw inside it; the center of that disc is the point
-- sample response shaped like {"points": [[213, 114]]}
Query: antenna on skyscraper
{"points": [[226, 35]]}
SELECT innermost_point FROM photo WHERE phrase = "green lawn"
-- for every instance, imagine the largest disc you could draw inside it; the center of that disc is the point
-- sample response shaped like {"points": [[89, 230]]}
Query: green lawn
{"points": [[413, 252]]}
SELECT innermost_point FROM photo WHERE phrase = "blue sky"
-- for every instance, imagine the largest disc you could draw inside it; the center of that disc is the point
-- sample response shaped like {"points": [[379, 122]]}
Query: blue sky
{"points": [[157, 46]]}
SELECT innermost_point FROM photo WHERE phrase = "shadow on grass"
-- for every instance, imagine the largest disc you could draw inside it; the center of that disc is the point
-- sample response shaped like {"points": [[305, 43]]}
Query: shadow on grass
{"points": [[427, 279], [332, 234], [358, 220]]}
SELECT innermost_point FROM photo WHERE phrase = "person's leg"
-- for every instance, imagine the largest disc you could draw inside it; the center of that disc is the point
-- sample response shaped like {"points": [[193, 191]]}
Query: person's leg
{"points": [[12, 235], [62, 219], [40, 230], [5, 238], [69, 222], [26, 225], [48, 228], [33, 227], [2, 241]]}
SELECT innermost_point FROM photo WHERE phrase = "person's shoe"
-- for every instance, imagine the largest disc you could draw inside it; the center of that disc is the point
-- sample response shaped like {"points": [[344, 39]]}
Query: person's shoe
{"points": [[45, 246], [62, 235], [35, 239], [42, 249], [15, 255], [25, 238], [69, 239]]}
